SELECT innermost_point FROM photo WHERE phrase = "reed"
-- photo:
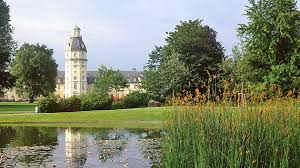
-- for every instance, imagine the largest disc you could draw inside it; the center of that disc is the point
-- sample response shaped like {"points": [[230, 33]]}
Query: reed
{"points": [[221, 135]]}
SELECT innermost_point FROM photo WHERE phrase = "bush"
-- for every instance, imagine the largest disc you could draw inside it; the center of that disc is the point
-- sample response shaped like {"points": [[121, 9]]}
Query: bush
{"points": [[118, 105], [71, 104], [94, 101], [136, 99], [49, 104]]}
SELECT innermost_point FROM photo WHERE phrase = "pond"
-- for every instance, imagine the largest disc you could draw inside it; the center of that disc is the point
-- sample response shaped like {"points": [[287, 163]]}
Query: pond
{"points": [[79, 147]]}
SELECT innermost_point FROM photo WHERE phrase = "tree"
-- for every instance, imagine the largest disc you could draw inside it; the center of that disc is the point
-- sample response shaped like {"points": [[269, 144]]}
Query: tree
{"points": [[271, 42], [173, 72], [191, 53], [7, 47], [152, 83], [198, 49], [108, 79], [35, 70]]}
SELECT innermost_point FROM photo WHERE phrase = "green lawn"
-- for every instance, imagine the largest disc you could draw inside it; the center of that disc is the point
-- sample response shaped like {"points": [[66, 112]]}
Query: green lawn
{"points": [[16, 107], [125, 118]]}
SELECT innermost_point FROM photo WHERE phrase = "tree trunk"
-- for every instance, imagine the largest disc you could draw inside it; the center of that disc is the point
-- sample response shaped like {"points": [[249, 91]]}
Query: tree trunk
{"points": [[31, 99]]}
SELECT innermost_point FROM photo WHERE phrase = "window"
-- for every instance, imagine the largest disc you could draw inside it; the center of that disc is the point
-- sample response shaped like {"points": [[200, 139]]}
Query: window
{"points": [[82, 86], [75, 77], [58, 87], [75, 85], [82, 78]]}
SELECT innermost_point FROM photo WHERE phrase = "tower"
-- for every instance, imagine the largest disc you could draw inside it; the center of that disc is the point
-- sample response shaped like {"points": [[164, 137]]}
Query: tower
{"points": [[75, 65]]}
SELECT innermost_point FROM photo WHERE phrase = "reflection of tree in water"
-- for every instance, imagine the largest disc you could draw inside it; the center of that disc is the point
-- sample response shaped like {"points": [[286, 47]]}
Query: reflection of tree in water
{"points": [[148, 133], [30, 146], [6, 134], [30, 136], [76, 147]]}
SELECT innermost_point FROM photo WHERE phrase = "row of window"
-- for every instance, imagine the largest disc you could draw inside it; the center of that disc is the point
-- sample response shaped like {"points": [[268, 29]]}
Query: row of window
{"points": [[75, 86], [76, 66], [75, 55]]}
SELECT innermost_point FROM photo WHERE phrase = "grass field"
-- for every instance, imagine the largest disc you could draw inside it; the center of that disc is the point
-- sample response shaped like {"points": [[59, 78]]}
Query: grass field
{"points": [[16, 107], [125, 118]]}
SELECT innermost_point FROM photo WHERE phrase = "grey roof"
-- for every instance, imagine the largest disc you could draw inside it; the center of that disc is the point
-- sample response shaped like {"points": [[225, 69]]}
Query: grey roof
{"points": [[76, 44], [131, 76]]}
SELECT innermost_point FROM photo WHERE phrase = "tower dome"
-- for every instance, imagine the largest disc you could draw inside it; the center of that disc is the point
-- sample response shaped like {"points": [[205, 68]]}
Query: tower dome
{"points": [[76, 43]]}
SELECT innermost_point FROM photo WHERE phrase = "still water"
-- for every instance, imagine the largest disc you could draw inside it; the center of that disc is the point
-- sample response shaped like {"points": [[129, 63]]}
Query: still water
{"points": [[79, 147]]}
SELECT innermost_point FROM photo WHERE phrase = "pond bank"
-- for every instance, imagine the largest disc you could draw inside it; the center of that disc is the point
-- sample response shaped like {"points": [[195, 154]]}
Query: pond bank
{"points": [[125, 118]]}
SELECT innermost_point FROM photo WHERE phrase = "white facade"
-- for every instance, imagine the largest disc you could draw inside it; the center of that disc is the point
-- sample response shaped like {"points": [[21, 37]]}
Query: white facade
{"points": [[75, 65]]}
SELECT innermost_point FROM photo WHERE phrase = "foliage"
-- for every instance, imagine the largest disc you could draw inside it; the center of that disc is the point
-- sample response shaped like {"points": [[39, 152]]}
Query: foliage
{"points": [[108, 79], [152, 83], [7, 47], [271, 42], [70, 104], [49, 104], [190, 55], [224, 136], [95, 101], [118, 105], [35, 69], [136, 99], [198, 49]]}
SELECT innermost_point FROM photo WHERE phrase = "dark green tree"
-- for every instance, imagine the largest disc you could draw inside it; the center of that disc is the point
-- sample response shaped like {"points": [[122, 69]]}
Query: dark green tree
{"points": [[198, 49], [271, 42], [7, 47], [35, 70]]}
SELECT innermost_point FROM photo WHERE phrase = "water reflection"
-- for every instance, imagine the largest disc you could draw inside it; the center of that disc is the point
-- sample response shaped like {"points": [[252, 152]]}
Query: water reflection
{"points": [[78, 147]]}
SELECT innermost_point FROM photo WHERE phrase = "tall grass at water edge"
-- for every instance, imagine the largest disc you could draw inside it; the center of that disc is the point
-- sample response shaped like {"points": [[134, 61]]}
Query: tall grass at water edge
{"points": [[209, 135]]}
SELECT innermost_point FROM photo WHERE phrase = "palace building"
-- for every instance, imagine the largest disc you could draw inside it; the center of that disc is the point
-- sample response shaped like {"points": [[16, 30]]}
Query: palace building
{"points": [[76, 79]]}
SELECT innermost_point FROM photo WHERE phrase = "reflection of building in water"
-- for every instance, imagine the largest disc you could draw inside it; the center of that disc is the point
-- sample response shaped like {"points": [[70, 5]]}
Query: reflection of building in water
{"points": [[76, 147]]}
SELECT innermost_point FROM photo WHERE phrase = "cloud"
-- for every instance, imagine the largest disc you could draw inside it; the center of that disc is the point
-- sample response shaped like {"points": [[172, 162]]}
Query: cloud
{"points": [[118, 33]]}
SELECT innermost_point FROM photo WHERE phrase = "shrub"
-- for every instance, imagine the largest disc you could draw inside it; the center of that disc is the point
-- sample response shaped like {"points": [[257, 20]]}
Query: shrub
{"points": [[118, 105], [136, 99], [71, 104], [94, 101], [49, 104]]}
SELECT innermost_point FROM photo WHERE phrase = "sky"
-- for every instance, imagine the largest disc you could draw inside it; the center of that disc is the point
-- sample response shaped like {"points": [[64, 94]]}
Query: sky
{"points": [[119, 33]]}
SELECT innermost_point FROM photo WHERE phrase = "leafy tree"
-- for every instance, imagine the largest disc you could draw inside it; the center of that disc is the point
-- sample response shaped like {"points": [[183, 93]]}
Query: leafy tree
{"points": [[7, 47], [271, 42], [198, 49], [35, 70], [108, 79], [164, 73], [190, 54], [152, 83], [173, 72]]}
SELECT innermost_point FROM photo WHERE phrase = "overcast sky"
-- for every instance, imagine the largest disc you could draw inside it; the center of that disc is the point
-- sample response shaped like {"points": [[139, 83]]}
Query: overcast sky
{"points": [[119, 33]]}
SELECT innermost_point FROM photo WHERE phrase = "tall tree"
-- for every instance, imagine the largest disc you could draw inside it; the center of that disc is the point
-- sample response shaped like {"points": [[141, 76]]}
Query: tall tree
{"points": [[35, 70], [190, 54], [198, 49], [7, 47], [271, 41], [108, 79], [173, 72]]}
